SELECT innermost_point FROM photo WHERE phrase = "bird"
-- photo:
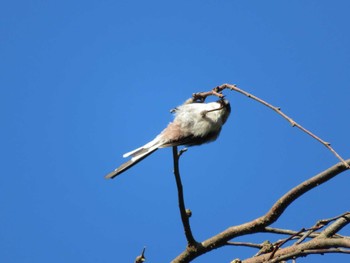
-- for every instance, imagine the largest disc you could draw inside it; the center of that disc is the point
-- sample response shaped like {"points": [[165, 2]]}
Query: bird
{"points": [[195, 123]]}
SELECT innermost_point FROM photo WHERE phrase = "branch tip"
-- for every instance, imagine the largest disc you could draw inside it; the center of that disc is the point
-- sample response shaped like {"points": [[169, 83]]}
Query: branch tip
{"points": [[278, 110], [182, 151]]}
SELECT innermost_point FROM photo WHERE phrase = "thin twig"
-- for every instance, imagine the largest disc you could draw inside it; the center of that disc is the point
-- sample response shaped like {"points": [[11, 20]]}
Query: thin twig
{"points": [[291, 121], [201, 96], [308, 232], [336, 226], [277, 246], [244, 244], [217, 91], [320, 224], [184, 217], [304, 236], [326, 221], [284, 231], [328, 250]]}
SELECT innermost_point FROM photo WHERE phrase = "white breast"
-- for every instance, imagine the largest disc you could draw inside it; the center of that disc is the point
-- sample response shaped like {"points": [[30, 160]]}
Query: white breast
{"points": [[195, 120]]}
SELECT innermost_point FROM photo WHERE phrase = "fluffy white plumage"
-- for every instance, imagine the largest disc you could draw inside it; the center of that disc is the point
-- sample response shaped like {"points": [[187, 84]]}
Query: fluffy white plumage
{"points": [[194, 124]]}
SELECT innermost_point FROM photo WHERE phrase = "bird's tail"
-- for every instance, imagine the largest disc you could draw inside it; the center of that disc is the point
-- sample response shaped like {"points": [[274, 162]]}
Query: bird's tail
{"points": [[137, 155]]}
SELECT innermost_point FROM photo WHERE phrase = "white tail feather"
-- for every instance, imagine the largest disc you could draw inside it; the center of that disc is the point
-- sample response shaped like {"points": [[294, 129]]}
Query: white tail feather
{"points": [[139, 154], [155, 141], [131, 152], [143, 152]]}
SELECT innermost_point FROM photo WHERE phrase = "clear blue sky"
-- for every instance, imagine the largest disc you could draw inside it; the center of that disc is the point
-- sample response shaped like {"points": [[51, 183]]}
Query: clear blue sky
{"points": [[82, 82]]}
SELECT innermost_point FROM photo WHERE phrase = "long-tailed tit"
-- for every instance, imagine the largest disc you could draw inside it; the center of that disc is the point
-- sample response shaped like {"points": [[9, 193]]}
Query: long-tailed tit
{"points": [[194, 124]]}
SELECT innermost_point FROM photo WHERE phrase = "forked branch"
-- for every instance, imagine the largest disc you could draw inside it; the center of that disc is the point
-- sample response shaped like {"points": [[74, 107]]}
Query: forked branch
{"points": [[191, 242], [261, 224], [324, 242]]}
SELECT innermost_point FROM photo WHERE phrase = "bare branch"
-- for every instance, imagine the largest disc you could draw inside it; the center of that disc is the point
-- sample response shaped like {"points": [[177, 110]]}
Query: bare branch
{"points": [[320, 224], [280, 244], [299, 250], [328, 250], [184, 216], [323, 242], [245, 244], [279, 207], [259, 224], [292, 122], [304, 236], [201, 96], [342, 221], [283, 231]]}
